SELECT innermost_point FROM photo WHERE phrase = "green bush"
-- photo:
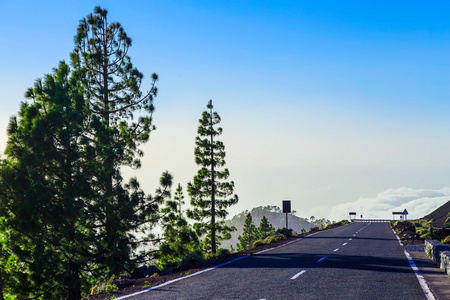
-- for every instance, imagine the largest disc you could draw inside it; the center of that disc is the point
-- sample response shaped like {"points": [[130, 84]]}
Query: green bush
{"points": [[314, 229], [285, 231], [223, 252], [209, 255], [446, 240], [111, 288], [258, 243], [272, 239]]}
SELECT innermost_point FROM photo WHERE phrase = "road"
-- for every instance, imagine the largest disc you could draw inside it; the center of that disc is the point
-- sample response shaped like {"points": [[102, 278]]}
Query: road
{"points": [[357, 261]]}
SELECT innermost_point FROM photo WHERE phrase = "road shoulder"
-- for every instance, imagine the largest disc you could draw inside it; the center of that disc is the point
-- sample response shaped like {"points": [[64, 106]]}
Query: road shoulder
{"points": [[437, 280]]}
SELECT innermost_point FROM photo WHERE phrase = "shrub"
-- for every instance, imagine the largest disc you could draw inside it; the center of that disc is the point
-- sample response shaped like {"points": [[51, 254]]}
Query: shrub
{"points": [[223, 252], [209, 255], [285, 231], [314, 229], [446, 240], [258, 243], [111, 288], [273, 239]]}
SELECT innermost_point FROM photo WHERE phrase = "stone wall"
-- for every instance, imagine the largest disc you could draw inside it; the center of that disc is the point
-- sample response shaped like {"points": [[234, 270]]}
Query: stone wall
{"points": [[439, 253]]}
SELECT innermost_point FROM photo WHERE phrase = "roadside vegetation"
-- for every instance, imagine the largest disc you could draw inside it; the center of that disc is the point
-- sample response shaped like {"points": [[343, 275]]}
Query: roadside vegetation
{"points": [[71, 226], [416, 231]]}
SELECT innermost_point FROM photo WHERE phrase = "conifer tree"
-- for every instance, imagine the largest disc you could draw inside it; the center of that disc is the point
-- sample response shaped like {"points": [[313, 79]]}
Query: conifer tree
{"points": [[122, 120], [67, 211], [179, 239], [210, 193], [43, 186], [249, 234], [265, 228], [179, 197]]}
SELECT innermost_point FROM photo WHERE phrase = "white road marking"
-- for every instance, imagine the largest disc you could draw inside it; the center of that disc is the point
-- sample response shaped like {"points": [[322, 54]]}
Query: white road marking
{"points": [[322, 259], [423, 284], [344, 244], [337, 249], [298, 274]]}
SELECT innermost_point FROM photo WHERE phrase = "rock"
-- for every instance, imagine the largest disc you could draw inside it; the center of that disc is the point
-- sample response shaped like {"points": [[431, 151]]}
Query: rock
{"points": [[139, 272], [152, 270]]}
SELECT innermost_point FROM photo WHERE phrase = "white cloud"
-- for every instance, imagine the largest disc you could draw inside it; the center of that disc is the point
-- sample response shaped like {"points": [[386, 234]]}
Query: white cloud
{"points": [[418, 202]]}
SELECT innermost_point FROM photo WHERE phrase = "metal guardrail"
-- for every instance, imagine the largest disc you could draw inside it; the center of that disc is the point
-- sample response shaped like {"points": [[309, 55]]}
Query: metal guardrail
{"points": [[370, 220]]}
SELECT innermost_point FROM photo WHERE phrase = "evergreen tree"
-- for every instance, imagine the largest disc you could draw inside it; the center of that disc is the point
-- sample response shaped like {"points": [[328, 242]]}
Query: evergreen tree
{"points": [[210, 193], [113, 91], [179, 197], [179, 239], [249, 234], [265, 228], [43, 186], [67, 212]]}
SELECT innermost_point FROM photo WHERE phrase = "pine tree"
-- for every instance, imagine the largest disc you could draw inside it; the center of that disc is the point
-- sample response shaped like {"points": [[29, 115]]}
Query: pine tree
{"points": [[179, 239], [179, 197], [43, 184], [210, 193], [249, 234], [67, 212], [113, 91], [265, 228]]}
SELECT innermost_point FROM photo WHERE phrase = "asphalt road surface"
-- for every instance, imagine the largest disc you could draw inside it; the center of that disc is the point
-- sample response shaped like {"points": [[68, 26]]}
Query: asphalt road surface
{"points": [[357, 261]]}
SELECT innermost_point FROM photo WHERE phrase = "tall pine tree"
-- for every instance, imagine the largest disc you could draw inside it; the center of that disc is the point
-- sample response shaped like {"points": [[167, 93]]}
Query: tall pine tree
{"points": [[210, 193], [122, 120]]}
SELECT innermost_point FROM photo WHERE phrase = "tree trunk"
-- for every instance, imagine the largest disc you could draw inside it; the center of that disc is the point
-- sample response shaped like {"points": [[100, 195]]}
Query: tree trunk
{"points": [[74, 287], [213, 193], [1, 286]]}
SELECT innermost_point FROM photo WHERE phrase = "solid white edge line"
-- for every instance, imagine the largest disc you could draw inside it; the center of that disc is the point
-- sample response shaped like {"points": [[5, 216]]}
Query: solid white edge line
{"points": [[298, 274], [206, 270], [423, 284]]}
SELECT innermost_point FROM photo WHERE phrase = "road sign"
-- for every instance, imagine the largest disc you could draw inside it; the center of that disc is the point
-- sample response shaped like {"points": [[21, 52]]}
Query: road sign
{"points": [[405, 212], [286, 206]]}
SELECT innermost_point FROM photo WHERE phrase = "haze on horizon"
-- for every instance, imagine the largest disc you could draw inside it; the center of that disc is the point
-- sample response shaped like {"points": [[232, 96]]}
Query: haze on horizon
{"points": [[336, 105]]}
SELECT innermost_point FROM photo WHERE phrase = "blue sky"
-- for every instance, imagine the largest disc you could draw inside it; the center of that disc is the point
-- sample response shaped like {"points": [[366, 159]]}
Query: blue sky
{"points": [[322, 102]]}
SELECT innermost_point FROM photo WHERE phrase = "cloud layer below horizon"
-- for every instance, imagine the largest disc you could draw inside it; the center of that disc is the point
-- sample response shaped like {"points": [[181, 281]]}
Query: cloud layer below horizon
{"points": [[418, 202]]}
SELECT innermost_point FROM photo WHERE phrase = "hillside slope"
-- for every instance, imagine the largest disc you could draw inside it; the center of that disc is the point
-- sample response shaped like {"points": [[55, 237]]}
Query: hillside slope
{"points": [[275, 217], [439, 215]]}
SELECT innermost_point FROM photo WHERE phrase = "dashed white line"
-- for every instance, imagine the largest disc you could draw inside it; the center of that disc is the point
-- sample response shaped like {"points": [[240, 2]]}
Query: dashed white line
{"points": [[344, 244], [322, 259], [298, 274], [350, 239], [337, 249]]}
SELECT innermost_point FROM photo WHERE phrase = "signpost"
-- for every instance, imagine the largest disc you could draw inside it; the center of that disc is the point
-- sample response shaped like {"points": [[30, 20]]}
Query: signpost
{"points": [[352, 213], [402, 214], [286, 209]]}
